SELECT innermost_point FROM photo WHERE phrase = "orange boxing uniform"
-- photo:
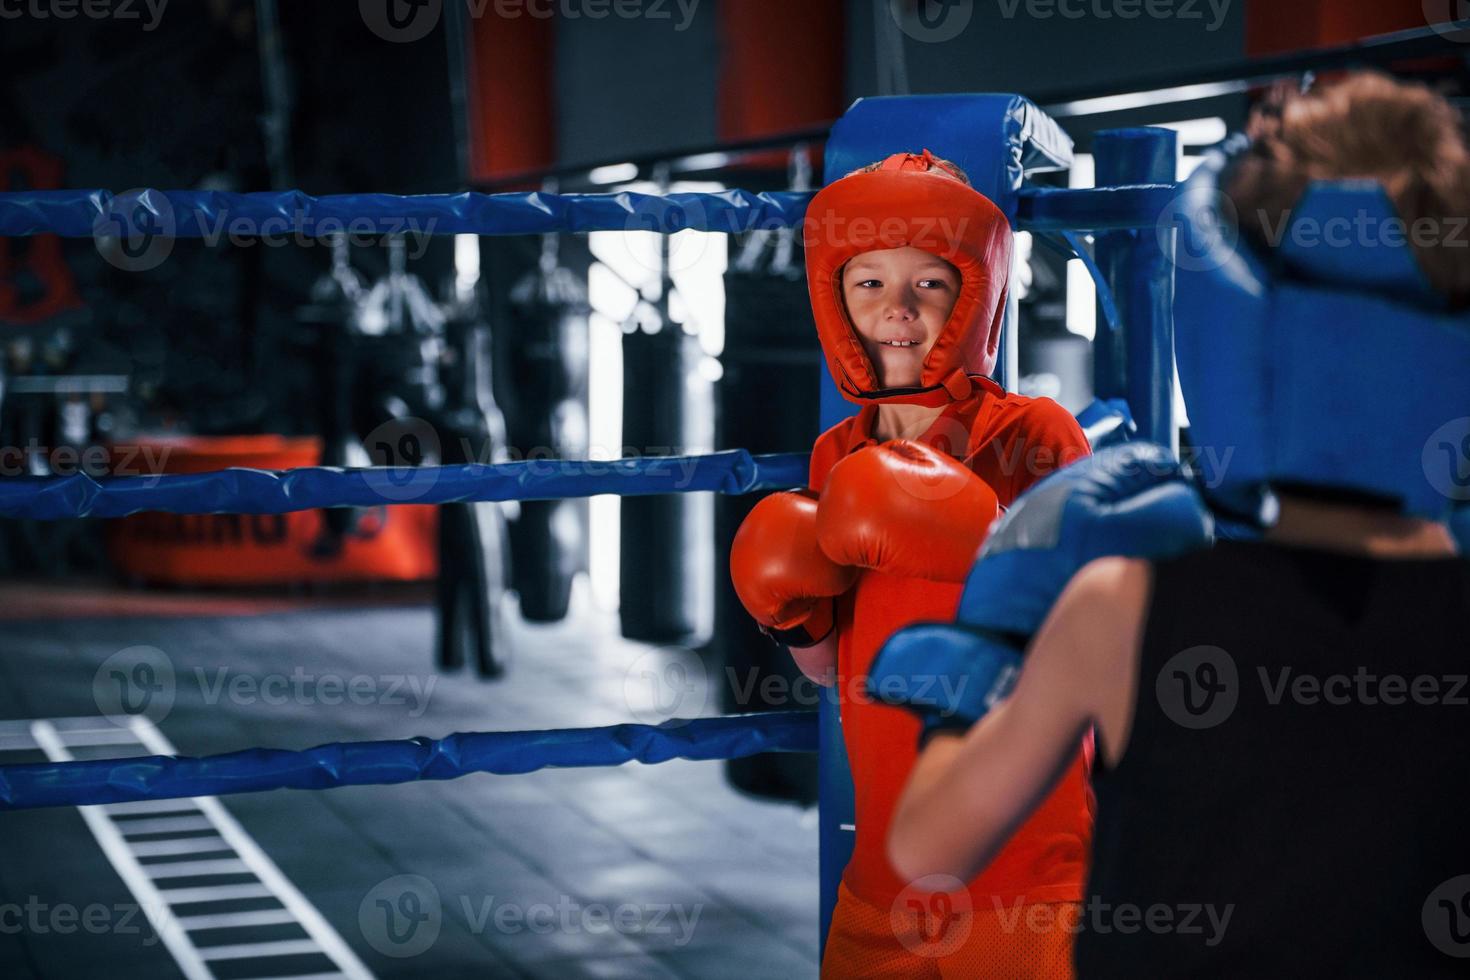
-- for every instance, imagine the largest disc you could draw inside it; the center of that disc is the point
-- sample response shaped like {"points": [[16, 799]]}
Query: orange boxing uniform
{"points": [[883, 926], [1009, 441]]}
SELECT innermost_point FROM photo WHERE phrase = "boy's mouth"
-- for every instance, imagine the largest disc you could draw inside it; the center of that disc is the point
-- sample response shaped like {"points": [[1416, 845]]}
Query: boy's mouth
{"points": [[899, 343]]}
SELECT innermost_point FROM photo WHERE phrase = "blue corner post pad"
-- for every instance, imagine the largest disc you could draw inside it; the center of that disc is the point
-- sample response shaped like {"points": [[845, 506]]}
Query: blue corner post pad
{"points": [[1107, 422], [997, 139], [1460, 528]]}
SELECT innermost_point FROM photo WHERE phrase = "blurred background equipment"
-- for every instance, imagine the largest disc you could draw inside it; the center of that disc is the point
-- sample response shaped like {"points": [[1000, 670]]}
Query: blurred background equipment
{"points": [[543, 340]]}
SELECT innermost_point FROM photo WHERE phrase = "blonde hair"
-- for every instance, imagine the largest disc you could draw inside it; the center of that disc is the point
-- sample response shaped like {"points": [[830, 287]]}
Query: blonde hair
{"points": [[1367, 125]]}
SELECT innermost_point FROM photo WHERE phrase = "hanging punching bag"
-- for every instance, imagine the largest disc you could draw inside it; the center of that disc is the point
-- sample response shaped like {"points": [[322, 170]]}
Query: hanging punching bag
{"points": [[473, 538], [547, 418], [329, 320], [665, 556], [767, 402]]}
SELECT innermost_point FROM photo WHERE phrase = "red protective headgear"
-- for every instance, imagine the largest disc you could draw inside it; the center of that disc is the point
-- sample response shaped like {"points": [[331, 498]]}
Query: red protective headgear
{"points": [[911, 199]]}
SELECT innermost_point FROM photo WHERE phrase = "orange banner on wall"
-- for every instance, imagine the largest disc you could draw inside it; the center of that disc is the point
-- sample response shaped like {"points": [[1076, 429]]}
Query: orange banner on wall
{"points": [[388, 543]]}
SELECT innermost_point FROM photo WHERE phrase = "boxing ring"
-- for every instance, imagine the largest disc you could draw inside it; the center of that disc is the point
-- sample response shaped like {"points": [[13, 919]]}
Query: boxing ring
{"points": [[1132, 264]]}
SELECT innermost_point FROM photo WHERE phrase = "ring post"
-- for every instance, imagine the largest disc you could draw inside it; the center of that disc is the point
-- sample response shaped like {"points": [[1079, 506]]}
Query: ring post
{"points": [[1139, 267]]}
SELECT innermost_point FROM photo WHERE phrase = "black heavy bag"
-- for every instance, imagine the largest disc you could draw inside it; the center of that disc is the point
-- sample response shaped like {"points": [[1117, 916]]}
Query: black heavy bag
{"points": [[767, 402], [662, 544], [473, 541], [547, 419], [329, 321]]}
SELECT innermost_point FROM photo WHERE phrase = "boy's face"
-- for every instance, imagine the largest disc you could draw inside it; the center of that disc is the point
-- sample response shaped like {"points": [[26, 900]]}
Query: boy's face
{"points": [[899, 299]]}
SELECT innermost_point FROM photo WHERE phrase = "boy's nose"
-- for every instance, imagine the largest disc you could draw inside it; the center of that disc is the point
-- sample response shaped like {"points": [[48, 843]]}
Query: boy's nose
{"points": [[901, 308]]}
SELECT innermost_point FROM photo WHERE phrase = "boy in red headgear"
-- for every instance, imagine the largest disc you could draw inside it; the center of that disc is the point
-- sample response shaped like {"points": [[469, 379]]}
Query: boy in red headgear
{"points": [[907, 267]]}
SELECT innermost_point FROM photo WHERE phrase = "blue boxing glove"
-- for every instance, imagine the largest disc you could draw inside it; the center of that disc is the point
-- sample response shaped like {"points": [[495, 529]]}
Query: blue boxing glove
{"points": [[1460, 528], [1131, 501]]}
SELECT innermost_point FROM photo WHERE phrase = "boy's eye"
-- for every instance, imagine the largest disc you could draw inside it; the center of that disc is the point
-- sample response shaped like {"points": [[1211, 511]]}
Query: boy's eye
{"points": [[933, 283], [868, 283]]}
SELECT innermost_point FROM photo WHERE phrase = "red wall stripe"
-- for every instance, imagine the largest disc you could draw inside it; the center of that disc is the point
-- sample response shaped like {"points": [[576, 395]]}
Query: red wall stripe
{"points": [[509, 95], [781, 67], [1276, 26]]}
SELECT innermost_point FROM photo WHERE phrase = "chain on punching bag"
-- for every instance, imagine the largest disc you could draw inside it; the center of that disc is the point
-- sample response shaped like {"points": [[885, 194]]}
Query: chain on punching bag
{"points": [[548, 419]]}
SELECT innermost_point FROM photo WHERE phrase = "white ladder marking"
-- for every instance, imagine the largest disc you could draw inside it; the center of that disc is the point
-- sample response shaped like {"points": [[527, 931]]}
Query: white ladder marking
{"points": [[194, 869], [233, 920], [180, 845], [161, 825], [245, 951], [115, 824]]}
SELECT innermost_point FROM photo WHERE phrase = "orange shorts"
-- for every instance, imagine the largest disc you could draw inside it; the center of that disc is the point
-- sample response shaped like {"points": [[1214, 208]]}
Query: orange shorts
{"points": [[937, 937]]}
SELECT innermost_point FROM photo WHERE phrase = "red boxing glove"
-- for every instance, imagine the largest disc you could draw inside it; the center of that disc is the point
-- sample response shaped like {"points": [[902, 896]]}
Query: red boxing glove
{"points": [[780, 573], [907, 509]]}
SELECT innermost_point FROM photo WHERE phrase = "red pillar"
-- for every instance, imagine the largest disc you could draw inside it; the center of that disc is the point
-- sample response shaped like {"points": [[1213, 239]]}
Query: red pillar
{"points": [[781, 68], [509, 95], [1277, 26]]}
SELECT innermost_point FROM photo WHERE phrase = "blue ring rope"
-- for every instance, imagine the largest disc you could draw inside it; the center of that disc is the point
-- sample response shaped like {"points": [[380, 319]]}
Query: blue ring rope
{"points": [[217, 215], [249, 491], [382, 763]]}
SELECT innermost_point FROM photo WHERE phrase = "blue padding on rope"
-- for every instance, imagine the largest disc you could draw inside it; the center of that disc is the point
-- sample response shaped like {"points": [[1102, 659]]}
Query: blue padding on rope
{"points": [[248, 491], [1094, 208], [164, 777], [216, 215]]}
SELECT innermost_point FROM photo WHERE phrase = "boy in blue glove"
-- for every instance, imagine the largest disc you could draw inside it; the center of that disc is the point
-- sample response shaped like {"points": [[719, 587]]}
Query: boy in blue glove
{"points": [[1281, 776]]}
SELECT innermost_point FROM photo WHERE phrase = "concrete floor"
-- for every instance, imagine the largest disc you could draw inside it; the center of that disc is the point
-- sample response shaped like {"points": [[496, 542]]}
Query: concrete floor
{"points": [[636, 871]]}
